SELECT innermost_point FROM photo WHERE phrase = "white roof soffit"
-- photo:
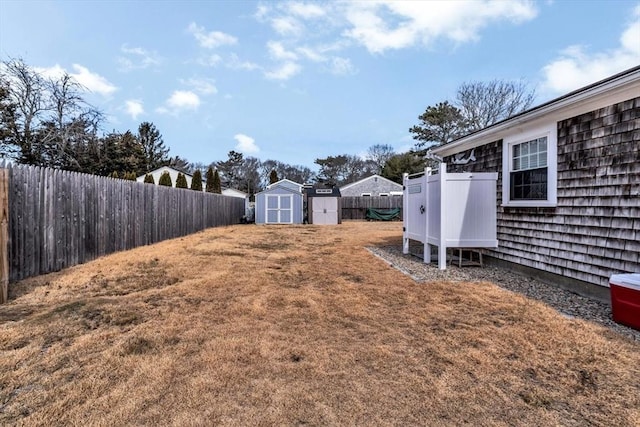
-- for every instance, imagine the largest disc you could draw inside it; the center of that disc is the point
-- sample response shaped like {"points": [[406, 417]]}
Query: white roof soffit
{"points": [[618, 88]]}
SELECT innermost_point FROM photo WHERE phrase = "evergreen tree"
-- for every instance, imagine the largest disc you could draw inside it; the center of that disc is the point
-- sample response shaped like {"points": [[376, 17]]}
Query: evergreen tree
{"points": [[217, 186], [196, 180], [165, 179], [209, 178], [148, 179], [155, 153], [273, 177], [181, 181]]}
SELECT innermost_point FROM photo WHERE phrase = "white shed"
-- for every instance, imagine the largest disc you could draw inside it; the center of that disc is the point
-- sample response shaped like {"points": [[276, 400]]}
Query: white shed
{"points": [[279, 205]]}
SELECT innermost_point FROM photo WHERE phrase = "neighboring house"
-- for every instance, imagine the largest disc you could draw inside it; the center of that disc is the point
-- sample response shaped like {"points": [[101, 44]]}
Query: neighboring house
{"points": [[279, 204], [173, 173], [568, 193], [374, 185]]}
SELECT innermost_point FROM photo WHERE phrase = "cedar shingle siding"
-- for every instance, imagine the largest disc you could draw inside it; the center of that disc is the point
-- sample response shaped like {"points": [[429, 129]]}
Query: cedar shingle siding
{"points": [[594, 231]]}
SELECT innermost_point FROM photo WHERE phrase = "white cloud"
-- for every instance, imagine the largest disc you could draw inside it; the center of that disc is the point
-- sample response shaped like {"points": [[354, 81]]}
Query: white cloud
{"points": [[277, 51], [246, 144], [389, 24], [210, 61], [342, 66], [180, 100], [134, 108], [88, 80], [92, 81], [235, 63], [183, 99], [203, 86], [284, 72], [53, 73], [576, 67], [311, 54], [305, 10], [287, 26], [137, 58], [210, 39]]}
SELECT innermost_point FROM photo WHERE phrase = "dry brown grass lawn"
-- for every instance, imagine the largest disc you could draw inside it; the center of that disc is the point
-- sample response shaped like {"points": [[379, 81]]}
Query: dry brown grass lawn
{"points": [[299, 325]]}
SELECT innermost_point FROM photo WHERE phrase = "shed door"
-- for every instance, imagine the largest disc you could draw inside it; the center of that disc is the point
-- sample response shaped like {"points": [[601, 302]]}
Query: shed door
{"points": [[279, 209], [325, 210]]}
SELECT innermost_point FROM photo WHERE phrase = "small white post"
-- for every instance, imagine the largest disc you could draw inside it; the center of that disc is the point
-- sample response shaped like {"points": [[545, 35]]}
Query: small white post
{"points": [[442, 248], [405, 213]]}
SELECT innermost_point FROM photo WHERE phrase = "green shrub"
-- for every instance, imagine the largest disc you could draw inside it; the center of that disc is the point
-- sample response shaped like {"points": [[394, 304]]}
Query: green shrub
{"points": [[181, 181], [148, 179], [196, 180], [209, 178], [114, 174], [217, 186], [165, 179]]}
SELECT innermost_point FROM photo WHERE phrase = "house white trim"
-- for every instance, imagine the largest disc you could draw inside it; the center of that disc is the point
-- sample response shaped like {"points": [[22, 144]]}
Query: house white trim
{"points": [[619, 88], [551, 134]]}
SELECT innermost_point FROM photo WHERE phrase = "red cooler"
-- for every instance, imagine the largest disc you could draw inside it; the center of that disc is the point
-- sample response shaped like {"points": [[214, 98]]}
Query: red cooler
{"points": [[625, 299]]}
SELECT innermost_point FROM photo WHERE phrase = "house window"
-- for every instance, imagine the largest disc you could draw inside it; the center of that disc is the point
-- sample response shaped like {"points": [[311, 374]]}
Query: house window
{"points": [[384, 194], [529, 170], [529, 164], [365, 195]]}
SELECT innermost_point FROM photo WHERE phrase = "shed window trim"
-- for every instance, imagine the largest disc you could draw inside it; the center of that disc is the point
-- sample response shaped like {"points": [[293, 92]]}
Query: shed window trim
{"points": [[365, 195], [519, 164]]}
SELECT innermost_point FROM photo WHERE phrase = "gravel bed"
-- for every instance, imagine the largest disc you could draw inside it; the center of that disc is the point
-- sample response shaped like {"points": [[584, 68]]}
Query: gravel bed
{"points": [[566, 302]]}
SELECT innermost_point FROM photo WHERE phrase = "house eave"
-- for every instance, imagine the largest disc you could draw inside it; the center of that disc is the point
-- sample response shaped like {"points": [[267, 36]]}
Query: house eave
{"points": [[618, 88]]}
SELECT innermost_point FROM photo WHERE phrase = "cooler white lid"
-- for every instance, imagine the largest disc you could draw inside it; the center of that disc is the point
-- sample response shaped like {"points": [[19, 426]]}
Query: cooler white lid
{"points": [[628, 280]]}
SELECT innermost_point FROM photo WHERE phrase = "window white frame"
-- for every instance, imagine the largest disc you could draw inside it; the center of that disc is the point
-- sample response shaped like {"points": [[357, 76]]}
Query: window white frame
{"points": [[383, 194], [365, 195], [551, 133]]}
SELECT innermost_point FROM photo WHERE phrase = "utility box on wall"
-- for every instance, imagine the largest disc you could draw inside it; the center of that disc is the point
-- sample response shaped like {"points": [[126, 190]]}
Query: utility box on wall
{"points": [[449, 210]]}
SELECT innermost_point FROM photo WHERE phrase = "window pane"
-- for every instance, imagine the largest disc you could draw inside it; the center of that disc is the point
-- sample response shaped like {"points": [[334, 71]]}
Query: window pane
{"points": [[516, 164], [525, 148], [285, 203], [272, 202], [516, 150], [529, 185], [542, 159]]}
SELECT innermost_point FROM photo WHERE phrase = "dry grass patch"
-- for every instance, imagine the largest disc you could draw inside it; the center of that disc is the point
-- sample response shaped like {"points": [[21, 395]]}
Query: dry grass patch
{"points": [[297, 325]]}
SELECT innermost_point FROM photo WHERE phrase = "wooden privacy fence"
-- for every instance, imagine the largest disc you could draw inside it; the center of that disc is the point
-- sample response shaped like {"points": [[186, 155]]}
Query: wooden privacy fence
{"points": [[356, 207], [57, 219]]}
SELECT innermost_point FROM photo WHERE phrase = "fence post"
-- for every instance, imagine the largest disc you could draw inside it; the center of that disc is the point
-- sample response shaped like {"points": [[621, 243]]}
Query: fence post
{"points": [[4, 235]]}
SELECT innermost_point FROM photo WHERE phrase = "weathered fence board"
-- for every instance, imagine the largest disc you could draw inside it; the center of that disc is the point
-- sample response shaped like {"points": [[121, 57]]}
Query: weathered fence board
{"points": [[4, 235], [57, 219], [356, 207]]}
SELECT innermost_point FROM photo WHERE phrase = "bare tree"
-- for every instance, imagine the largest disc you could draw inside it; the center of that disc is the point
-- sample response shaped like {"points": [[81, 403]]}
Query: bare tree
{"points": [[379, 154], [44, 121], [485, 103], [23, 106]]}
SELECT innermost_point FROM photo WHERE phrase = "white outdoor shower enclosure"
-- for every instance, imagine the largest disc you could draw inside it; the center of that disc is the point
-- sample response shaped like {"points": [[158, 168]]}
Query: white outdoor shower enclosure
{"points": [[449, 210]]}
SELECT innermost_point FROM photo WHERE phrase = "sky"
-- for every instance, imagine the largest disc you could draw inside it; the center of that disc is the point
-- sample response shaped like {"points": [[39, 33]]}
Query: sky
{"points": [[299, 80]]}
